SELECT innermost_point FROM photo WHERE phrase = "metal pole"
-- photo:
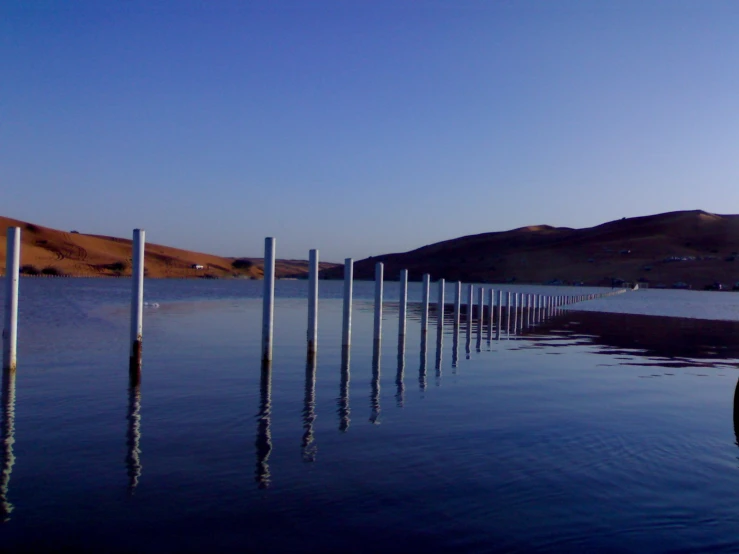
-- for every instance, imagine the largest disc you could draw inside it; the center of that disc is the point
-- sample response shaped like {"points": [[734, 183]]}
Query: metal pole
{"points": [[440, 304], [312, 302], [346, 331], [403, 302], [500, 314], [12, 269], [491, 308], [268, 299], [379, 275], [470, 305], [439, 327], [137, 300], [480, 309], [508, 314], [425, 303], [457, 303]]}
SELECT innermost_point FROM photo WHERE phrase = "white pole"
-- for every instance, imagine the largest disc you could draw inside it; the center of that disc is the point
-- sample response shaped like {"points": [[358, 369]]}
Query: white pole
{"points": [[480, 308], [440, 304], [379, 275], [508, 314], [470, 304], [425, 303], [137, 299], [523, 311], [403, 302], [268, 299], [346, 331], [12, 269], [491, 307], [457, 303], [440, 326], [312, 302], [500, 313]]}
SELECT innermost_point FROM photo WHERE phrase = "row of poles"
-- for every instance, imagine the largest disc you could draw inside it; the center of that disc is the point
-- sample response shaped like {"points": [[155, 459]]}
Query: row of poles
{"points": [[12, 275], [10, 330], [531, 301], [535, 305]]}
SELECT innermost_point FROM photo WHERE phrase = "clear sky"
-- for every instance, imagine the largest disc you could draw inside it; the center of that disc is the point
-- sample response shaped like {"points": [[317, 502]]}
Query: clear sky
{"points": [[363, 127]]}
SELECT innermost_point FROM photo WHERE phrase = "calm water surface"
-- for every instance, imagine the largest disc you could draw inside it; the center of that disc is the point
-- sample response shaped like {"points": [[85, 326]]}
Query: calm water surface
{"points": [[582, 431]]}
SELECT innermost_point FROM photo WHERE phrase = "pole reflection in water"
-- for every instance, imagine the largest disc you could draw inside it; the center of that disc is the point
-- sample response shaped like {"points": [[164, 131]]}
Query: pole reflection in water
{"points": [[468, 342], [308, 447], [7, 434], [439, 350], [133, 436], [264, 434], [343, 401], [736, 413], [422, 368], [399, 376], [375, 388]]}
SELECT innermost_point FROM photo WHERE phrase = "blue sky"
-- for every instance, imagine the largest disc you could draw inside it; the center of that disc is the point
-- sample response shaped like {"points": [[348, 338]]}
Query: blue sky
{"points": [[363, 127]]}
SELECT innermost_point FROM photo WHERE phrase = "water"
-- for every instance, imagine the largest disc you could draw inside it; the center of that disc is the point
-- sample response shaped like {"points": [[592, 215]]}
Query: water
{"points": [[588, 432]]}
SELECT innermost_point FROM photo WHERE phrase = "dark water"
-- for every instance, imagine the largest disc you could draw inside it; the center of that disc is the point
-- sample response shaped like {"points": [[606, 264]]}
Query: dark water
{"points": [[585, 432]]}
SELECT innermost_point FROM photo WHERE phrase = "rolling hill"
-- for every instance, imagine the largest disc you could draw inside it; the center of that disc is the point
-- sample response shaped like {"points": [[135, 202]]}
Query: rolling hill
{"points": [[75, 254], [692, 247]]}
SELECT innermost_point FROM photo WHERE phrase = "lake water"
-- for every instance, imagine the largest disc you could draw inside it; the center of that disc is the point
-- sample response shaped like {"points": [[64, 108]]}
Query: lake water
{"points": [[584, 431]]}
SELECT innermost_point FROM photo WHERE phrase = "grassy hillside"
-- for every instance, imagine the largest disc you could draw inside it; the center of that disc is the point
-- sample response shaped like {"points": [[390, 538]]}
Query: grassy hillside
{"points": [[50, 251], [693, 247]]}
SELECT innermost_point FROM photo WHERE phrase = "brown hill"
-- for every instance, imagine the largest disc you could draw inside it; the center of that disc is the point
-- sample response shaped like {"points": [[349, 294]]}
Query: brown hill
{"points": [[58, 252], [693, 247]]}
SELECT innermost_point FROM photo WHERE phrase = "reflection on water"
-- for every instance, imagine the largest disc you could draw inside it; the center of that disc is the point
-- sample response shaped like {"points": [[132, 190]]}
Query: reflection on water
{"points": [[133, 437], [422, 367], [264, 433], [7, 435], [400, 374], [308, 447], [455, 345], [541, 444], [439, 349], [468, 337], [667, 341], [343, 400], [375, 390]]}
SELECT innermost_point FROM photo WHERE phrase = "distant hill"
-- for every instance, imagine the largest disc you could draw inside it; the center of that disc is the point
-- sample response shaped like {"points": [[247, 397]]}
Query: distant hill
{"points": [[693, 247], [76, 254]]}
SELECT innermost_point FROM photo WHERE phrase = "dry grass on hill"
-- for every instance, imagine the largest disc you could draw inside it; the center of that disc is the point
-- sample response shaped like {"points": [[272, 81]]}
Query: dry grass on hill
{"points": [[692, 247], [50, 251]]}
